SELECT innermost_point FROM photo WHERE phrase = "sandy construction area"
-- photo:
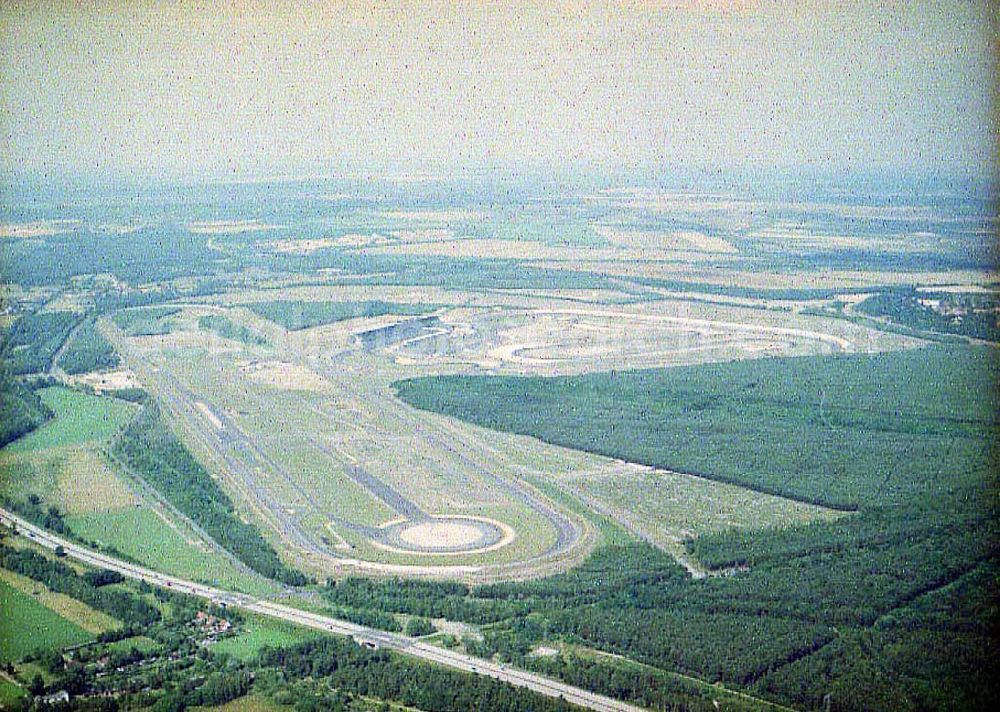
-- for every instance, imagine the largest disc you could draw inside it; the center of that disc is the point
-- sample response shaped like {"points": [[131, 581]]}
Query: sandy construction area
{"points": [[440, 534], [209, 414], [222, 227], [284, 375], [435, 215], [549, 341], [40, 228], [423, 235], [446, 534], [677, 240], [109, 381], [308, 246], [826, 279]]}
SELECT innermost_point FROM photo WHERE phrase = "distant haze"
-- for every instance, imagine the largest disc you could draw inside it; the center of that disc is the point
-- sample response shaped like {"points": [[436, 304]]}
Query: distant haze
{"points": [[194, 90]]}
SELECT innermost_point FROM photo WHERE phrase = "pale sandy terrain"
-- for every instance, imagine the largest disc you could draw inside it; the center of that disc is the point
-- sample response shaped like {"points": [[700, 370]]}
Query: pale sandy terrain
{"points": [[423, 235], [434, 215], [797, 237], [78, 302], [302, 247], [219, 227], [40, 228], [960, 289], [678, 240], [583, 257], [687, 203], [307, 246], [831, 279], [122, 228], [281, 374], [108, 380], [207, 412], [440, 534]]}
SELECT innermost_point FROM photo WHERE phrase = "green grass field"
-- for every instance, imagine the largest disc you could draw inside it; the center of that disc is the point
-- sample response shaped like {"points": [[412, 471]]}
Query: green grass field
{"points": [[138, 532], [10, 693], [250, 703], [74, 611], [140, 643], [79, 418], [295, 315], [27, 626], [258, 633]]}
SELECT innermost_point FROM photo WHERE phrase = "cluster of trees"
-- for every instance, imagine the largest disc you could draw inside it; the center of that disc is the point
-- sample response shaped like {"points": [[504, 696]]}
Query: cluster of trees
{"points": [[148, 446], [645, 686], [177, 254], [28, 345], [88, 351], [972, 315], [428, 599], [102, 577], [228, 329], [367, 617], [128, 608], [21, 410], [47, 517], [416, 627], [296, 314], [150, 321], [351, 668], [839, 431]]}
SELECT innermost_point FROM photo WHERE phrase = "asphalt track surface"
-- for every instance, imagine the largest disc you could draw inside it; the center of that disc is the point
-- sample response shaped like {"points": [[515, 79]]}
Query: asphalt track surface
{"points": [[568, 532], [246, 467], [369, 637]]}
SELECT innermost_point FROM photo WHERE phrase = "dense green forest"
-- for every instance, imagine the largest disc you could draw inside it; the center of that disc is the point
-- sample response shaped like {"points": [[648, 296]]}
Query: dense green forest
{"points": [[295, 315], [126, 607], [148, 446], [840, 431], [28, 345], [974, 315], [21, 410], [888, 607], [228, 329], [149, 321], [88, 351]]}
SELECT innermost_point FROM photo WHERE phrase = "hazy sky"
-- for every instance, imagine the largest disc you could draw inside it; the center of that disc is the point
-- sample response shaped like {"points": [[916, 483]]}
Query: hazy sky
{"points": [[203, 89]]}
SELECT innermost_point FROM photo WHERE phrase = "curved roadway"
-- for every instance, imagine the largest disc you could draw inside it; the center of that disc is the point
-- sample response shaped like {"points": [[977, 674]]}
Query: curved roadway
{"points": [[362, 634]]}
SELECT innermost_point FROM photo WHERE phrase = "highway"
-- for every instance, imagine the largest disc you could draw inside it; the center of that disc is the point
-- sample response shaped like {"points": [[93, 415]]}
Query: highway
{"points": [[370, 637]]}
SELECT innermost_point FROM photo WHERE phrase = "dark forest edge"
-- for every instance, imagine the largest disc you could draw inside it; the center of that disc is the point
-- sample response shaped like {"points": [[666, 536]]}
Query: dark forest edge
{"points": [[150, 448], [821, 607]]}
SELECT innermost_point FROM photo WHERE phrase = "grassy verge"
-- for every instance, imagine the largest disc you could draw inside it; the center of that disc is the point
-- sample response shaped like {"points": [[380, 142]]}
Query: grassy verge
{"points": [[258, 633], [27, 626], [153, 451]]}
